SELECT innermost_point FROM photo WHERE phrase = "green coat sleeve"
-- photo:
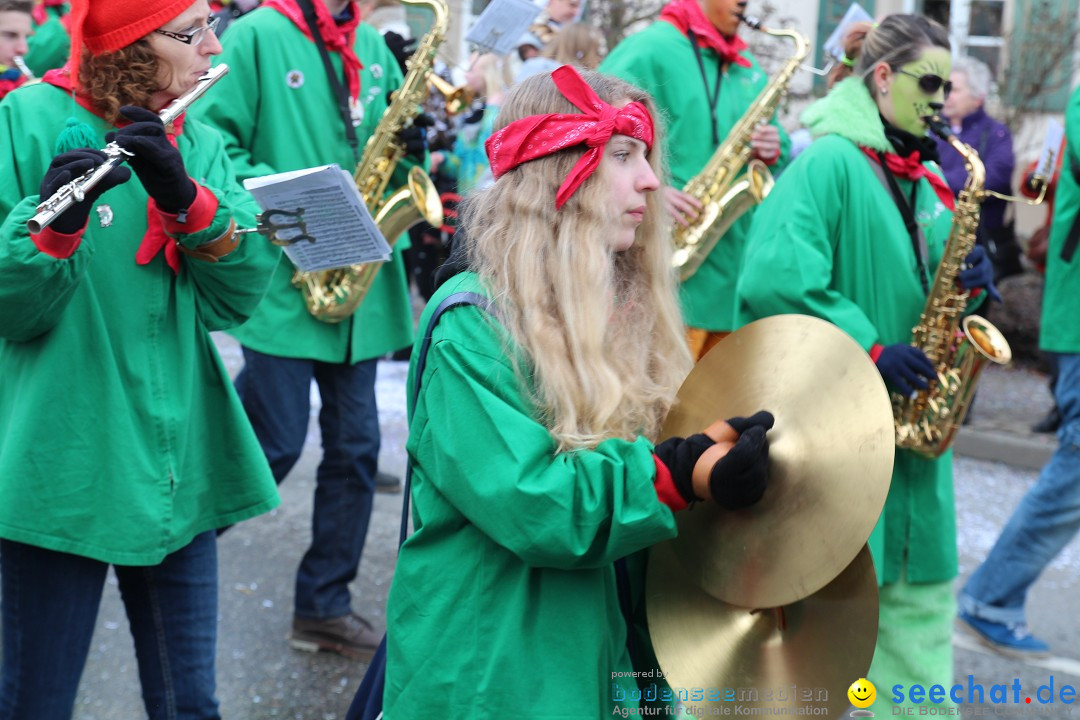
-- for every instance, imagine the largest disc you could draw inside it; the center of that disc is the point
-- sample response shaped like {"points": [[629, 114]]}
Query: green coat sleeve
{"points": [[1059, 331], [789, 261], [227, 291], [34, 287], [566, 510]]}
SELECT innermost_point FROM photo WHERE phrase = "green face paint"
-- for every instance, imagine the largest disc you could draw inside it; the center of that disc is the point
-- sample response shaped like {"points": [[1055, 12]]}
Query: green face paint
{"points": [[906, 104]]}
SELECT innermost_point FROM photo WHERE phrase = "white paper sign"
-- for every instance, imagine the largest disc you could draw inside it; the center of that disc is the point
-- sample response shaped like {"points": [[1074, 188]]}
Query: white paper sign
{"points": [[1055, 135], [334, 216], [834, 46], [502, 24]]}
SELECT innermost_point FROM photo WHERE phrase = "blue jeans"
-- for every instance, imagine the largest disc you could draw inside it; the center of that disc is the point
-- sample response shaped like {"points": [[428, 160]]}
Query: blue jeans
{"points": [[1044, 522], [50, 606], [276, 393]]}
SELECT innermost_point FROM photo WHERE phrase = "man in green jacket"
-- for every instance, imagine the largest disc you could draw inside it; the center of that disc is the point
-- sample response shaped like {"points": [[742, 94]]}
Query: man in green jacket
{"points": [[1047, 519], [278, 111], [704, 80]]}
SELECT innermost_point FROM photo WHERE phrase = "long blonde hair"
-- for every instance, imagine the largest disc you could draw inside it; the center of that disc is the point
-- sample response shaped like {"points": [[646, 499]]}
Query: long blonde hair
{"points": [[600, 332]]}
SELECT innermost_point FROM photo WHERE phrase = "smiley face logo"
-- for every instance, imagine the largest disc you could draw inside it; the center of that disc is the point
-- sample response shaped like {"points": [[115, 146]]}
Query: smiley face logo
{"points": [[862, 693]]}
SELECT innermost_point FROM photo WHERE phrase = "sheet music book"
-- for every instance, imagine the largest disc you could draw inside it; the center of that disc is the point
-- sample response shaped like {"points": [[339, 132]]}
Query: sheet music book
{"points": [[501, 25], [333, 212], [1055, 135], [834, 46]]}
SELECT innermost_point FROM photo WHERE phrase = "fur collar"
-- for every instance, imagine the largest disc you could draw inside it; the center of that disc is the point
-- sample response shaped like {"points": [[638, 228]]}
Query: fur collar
{"points": [[850, 112]]}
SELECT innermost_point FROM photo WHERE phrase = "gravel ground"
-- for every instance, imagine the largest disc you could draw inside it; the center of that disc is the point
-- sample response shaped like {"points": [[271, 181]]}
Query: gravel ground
{"points": [[1011, 399]]}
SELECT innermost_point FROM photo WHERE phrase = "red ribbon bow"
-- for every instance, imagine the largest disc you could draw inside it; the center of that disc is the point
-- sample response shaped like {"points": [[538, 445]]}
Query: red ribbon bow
{"points": [[537, 136], [687, 16], [911, 168]]}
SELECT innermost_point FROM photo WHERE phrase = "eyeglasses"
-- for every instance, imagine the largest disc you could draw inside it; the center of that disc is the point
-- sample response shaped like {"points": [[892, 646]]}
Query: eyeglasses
{"points": [[195, 37], [930, 84]]}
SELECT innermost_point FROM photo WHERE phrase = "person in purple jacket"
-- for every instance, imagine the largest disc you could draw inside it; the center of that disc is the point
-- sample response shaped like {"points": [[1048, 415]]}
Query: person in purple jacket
{"points": [[964, 109]]}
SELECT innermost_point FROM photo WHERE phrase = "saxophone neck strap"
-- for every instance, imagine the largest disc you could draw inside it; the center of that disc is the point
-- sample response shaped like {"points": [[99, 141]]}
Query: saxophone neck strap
{"points": [[714, 96], [915, 232], [340, 92]]}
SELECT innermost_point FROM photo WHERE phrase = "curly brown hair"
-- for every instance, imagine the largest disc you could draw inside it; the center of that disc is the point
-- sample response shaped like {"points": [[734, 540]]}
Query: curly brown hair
{"points": [[128, 76]]}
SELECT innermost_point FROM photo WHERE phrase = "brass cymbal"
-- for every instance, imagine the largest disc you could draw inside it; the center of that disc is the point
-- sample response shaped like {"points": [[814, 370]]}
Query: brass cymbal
{"points": [[830, 459], [802, 656]]}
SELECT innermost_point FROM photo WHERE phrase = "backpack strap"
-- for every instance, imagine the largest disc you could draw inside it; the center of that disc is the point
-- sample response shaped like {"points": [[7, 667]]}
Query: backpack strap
{"points": [[449, 302]]}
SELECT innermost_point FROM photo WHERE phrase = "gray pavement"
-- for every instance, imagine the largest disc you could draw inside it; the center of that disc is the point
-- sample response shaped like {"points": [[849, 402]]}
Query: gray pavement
{"points": [[260, 677]]}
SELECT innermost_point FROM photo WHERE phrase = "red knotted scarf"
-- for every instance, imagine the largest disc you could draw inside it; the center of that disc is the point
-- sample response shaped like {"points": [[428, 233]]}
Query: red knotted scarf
{"points": [[338, 38], [7, 86], [911, 168], [687, 15], [537, 136]]}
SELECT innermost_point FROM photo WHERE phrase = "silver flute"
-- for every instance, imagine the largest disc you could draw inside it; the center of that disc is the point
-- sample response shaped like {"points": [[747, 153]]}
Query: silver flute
{"points": [[19, 63], [75, 191]]}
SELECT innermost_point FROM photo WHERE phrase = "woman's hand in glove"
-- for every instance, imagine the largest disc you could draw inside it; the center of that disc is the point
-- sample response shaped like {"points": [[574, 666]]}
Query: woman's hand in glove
{"points": [[155, 160]]}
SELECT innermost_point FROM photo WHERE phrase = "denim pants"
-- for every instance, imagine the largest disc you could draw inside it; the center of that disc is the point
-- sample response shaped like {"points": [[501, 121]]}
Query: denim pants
{"points": [[1044, 522], [276, 393], [49, 608]]}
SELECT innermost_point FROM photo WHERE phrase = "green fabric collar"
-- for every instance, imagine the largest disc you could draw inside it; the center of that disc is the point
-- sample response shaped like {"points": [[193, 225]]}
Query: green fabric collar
{"points": [[850, 112]]}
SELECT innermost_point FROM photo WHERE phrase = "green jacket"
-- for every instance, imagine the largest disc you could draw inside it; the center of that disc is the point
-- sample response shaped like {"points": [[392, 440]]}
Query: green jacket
{"points": [[1060, 332], [122, 437], [829, 241], [277, 112], [509, 569], [661, 60], [50, 44]]}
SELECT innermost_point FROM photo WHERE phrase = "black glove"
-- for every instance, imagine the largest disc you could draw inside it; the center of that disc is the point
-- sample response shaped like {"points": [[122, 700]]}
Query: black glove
{"points": [[402, 48], [157, 163], [739, 478], [414, 137], [762, 418], [679, 456], [978, 273], [64, 168], [905, 368]]}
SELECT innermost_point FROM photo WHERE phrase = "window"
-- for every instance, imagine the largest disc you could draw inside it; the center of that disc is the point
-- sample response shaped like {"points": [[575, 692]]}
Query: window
{"points": [[1041, 63]]}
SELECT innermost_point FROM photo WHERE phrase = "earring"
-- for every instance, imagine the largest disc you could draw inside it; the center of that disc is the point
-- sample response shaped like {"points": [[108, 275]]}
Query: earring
{"points": [[884, 91]]}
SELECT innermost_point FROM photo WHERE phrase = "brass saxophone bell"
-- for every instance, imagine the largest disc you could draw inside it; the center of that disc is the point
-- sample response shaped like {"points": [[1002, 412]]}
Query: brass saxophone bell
{"points": [[458, 97]]}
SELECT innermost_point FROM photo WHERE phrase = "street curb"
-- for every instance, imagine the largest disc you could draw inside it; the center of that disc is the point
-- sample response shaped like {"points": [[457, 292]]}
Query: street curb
{"points": [[1003, 447]]}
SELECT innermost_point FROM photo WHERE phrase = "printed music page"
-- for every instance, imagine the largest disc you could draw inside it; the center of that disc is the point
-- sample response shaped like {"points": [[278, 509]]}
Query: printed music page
{"points": [[501, 25], [337, 229], [1055, 136]]}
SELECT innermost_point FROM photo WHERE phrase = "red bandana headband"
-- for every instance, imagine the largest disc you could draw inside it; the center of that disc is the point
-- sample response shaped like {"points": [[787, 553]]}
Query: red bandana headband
{"points": [[537, 136]]}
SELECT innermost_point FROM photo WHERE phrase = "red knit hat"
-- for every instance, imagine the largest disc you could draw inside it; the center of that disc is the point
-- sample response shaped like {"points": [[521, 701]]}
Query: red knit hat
{"points": [[109, 25]]}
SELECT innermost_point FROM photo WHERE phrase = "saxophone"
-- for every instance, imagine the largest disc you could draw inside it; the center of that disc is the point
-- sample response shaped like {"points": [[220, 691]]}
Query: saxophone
{"points": [[333, 295], [959, 347], [723, 199]]}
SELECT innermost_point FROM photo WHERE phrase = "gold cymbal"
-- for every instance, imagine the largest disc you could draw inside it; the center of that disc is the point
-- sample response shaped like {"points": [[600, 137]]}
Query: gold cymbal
{"points": [[830, 459], [802, 656]]}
